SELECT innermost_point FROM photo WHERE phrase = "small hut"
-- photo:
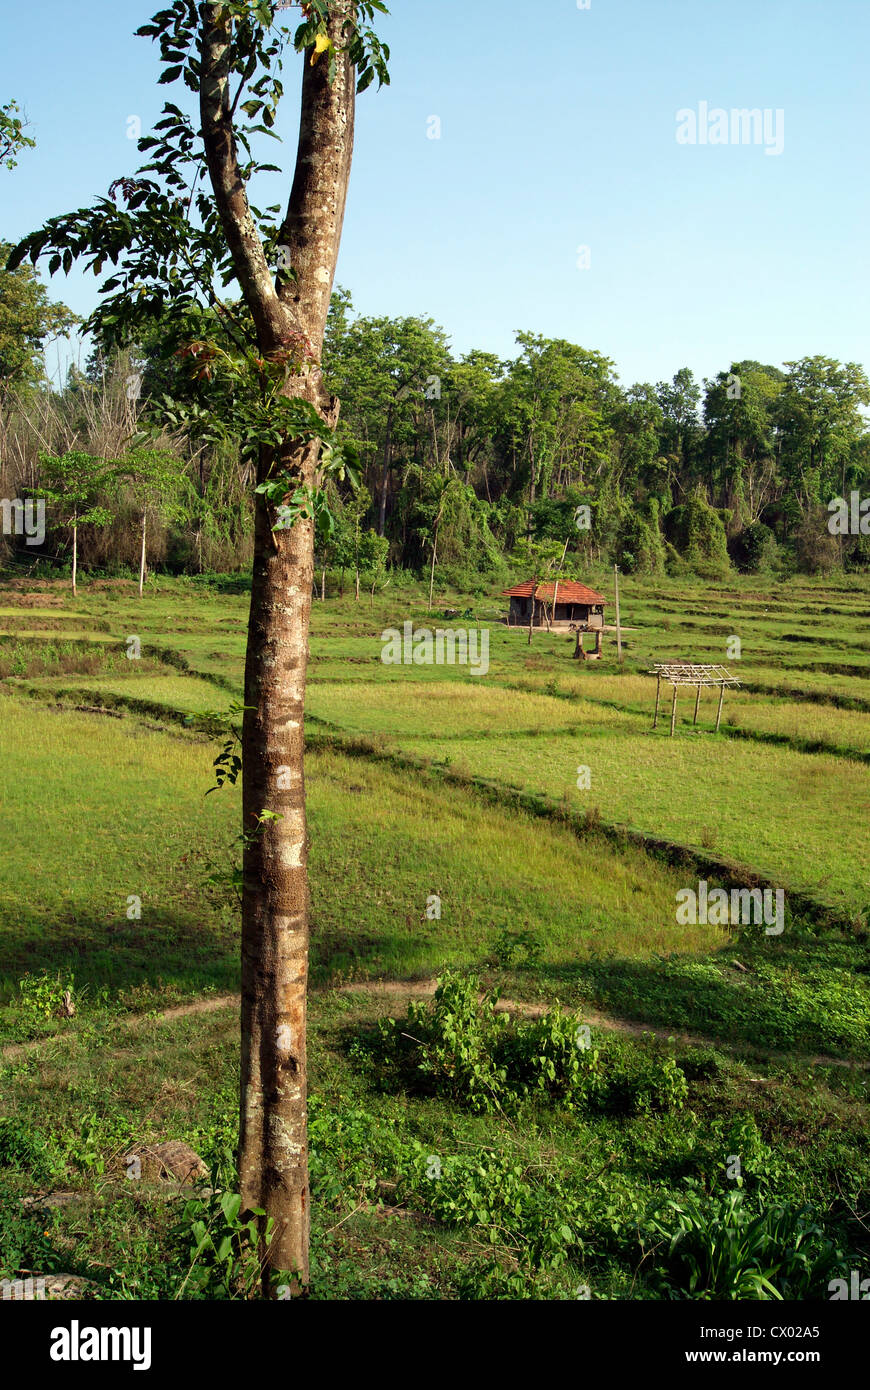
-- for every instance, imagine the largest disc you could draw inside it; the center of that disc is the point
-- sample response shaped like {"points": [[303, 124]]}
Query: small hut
{"points": [[560, 605]]}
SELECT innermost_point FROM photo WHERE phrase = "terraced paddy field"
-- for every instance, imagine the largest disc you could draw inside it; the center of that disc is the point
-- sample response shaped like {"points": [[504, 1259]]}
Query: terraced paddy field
{"points": [[526, 825]]}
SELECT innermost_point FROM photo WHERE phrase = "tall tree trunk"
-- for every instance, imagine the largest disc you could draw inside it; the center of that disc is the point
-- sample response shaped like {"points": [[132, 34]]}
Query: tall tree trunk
{"points": [[385, 479], [75, 555], [273, 1166], [142, 555], [273, 1159], [432, 572]]}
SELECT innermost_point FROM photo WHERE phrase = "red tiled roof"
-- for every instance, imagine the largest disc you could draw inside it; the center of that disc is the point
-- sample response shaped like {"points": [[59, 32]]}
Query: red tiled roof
{"points": [[569, 592]]}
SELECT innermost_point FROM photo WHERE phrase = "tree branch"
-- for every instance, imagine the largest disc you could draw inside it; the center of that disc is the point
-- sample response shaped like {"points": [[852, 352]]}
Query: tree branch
{"points": [[315, 213], [271, 318]]}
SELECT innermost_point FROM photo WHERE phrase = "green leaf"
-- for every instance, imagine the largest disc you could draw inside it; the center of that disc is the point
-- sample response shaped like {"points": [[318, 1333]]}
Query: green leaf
{"points": [[231, 1204]]}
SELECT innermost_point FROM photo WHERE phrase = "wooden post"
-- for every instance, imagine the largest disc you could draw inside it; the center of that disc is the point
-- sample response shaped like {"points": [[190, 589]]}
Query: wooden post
{"points": [[658, 693], [697, 703], [721, 698], [618, 624], [674, 712]]}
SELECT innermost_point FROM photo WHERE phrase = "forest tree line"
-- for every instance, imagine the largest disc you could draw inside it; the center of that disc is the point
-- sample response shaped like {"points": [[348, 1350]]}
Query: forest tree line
{"points": [[480, 466]]}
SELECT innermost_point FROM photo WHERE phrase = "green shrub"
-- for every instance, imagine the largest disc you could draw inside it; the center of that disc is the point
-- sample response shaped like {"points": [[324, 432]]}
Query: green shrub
{"points": [[458, 1036], [459, 1048], [492, 1194], [858, 555], [546, 1057], [639, 547], [816, 550], [760, 1168], [25, 1244], [641, 1079], [697, 533], [702, 1063], [754, 549], [22, 1150], [43, 996], [511, 945], [484, 1281]]}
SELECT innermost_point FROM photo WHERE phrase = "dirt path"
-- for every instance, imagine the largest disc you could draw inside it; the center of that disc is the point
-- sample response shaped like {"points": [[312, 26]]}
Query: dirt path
{"points": [[417, 989], [405, 990]]}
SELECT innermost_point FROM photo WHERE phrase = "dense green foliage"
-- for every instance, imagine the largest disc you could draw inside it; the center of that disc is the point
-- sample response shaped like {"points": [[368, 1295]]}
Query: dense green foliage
{"points": [[28, 319], [465, 461]]}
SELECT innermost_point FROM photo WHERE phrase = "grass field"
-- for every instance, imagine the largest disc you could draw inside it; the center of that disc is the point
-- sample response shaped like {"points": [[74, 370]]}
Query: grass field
{"points": [[426, 784]]}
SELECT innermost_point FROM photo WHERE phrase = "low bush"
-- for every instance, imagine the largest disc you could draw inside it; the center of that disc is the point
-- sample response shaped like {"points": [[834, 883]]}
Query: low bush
{"points": [[23, 1150], [459, 1048]]}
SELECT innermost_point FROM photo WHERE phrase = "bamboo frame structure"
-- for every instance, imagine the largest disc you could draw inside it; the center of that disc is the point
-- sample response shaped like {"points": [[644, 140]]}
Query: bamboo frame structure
{"points": [[678, 673]]}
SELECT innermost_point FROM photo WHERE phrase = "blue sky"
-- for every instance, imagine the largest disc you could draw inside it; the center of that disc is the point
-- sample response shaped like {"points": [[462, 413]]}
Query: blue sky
{"points": [[558, 131]]}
